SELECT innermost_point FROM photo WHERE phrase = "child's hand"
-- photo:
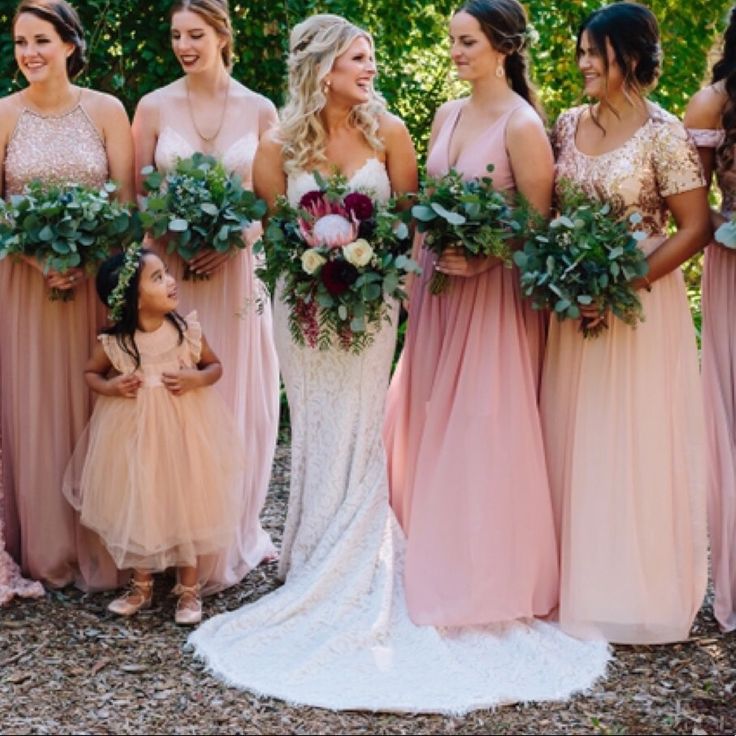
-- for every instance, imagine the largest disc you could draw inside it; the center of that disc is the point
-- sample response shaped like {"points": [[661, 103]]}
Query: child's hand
{"points": [[182, 381], [125, 385]]}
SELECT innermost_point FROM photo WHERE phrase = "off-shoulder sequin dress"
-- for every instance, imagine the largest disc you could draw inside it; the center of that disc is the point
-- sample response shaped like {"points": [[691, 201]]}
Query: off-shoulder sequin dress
{"points": [[45, 345], [623, 419], [719, 383], [235, 312]]}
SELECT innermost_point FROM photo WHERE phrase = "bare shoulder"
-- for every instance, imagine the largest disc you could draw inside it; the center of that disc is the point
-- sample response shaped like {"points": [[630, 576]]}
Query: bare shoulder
{"points": [[706, 107], [524, 121], [271, 146], [392, 129], [445, 109], [103, 104], [10, 110], [250, 102]]}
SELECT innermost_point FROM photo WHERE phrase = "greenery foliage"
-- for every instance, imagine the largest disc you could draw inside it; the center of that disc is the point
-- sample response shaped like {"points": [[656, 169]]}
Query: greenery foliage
{"points": [[130, 54]]}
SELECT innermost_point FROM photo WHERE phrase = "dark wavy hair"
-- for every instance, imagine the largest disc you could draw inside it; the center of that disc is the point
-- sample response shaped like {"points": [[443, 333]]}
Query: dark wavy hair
{"points": [[64, 18], [725, 70], [633, 33], [124, 329], [504, 24]]}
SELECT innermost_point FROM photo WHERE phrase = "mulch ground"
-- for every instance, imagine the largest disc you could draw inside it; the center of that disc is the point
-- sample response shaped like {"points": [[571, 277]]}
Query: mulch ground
{"points": [[67, 666]]}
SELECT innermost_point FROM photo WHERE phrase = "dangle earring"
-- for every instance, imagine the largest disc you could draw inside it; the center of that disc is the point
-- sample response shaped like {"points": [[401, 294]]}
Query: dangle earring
{"points": [[500, 71], [326, 87]]}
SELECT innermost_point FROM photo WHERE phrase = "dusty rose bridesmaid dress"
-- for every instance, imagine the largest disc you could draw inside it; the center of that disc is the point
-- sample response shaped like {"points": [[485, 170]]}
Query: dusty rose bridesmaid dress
{"points": [[463, 438], [623, 420], [45, 345], [719, 365], [235, 313]]}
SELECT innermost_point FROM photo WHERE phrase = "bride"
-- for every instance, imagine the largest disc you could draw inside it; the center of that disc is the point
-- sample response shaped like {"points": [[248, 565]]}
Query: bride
{"points": [[337, 634]]}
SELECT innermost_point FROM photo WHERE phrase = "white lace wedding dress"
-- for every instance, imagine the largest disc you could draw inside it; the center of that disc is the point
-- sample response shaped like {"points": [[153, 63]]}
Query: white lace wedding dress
{"points": [[337, 634]]}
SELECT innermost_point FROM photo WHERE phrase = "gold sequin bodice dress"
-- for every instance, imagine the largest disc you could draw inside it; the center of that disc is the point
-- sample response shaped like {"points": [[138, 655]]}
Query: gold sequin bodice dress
{"points": [[623, 419], [44, 400]]}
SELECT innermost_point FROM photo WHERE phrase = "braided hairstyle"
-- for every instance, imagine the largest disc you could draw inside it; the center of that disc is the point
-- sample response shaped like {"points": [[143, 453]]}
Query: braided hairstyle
{"points": [[504, 23], [725, 70]]}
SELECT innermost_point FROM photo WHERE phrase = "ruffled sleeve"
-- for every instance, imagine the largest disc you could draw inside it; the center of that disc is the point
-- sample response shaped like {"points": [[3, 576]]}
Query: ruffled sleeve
{"points": [[706, 137], [193, 336], [121, 361], [676, 162]]}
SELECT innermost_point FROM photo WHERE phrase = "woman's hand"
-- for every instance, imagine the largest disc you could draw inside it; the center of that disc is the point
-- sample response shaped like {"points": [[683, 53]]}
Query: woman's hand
{"points": [[182, 380], [592, 317], [125, 385], [64, 281], [454, 262], [209, 262]]}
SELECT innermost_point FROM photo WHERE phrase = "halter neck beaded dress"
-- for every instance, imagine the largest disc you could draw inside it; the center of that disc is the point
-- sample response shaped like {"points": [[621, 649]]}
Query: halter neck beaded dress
{"points": [[45, 346]]}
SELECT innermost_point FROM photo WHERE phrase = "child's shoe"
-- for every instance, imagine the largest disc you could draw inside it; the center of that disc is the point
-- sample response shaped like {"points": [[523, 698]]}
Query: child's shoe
{"points": [[138, 596], [189, 605]]}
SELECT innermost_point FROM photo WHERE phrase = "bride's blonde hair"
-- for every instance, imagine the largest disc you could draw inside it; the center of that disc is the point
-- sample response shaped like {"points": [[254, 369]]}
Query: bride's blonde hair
{"points": [[314, 45]]}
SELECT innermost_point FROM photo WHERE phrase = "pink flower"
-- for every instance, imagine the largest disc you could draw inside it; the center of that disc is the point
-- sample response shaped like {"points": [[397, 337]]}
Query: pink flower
{"points": [[312, 200], [331, 231]]}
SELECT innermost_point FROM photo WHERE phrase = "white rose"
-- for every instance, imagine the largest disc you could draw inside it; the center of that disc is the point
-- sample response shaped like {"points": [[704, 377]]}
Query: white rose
{"points": [[359, 252], [311, 261]]}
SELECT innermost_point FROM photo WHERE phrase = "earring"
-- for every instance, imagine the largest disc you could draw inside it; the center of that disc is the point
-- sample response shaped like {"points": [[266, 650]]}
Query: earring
{"points": [[326, 87], [500, 71]]}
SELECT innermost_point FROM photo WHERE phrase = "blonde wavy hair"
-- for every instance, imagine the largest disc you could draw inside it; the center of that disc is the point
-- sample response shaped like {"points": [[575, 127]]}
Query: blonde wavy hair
{"points": [[314, 45]]}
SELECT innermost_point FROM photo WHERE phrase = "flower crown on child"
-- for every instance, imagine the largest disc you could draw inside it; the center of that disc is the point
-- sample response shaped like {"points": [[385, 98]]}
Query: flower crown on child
{"points": [[116, 300]]}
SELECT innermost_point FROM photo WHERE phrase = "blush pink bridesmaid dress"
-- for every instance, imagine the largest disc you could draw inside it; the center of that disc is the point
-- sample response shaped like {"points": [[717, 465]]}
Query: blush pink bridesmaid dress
{"points": [[235, 312], [45, 403], [463, 437], [622, 415], [719, 383]]}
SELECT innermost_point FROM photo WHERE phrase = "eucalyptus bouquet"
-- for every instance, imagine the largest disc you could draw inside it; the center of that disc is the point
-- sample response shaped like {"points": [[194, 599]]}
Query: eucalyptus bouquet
{"points": [[584, 257], [341, 255], [199, 206], [465, 213], [64, 227]]}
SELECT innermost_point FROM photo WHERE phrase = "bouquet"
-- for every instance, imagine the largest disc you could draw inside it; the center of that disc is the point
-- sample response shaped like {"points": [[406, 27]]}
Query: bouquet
{"points": [[583, 257], [469, 214], [726, 233], [199, 206], [341, 255], [64, 227]]}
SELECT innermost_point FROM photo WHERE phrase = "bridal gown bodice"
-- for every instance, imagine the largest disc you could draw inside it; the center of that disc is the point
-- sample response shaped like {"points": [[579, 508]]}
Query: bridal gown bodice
{"points": [[337, 634]]}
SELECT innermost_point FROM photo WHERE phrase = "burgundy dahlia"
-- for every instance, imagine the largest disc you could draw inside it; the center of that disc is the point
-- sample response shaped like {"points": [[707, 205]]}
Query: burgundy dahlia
{"points": [[359, 205], [338, 276], [312, 199]]}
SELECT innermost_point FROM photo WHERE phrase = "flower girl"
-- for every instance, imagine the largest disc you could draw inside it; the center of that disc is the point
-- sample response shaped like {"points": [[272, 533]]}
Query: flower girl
{"points": [[157, 472]]}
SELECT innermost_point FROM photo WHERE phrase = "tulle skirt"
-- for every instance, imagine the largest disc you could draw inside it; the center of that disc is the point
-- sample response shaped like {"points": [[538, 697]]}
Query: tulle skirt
{"points": [[159, 477]]}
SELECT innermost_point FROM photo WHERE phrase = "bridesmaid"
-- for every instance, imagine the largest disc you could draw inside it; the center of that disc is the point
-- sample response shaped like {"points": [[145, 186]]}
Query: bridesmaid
{"points": [[466, 460], [622, 413], [711, 118], [207, 110], [52, 130]]}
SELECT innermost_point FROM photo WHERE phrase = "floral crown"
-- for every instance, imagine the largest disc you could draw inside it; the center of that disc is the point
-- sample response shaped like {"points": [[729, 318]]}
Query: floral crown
{"points": [[116, 300]]}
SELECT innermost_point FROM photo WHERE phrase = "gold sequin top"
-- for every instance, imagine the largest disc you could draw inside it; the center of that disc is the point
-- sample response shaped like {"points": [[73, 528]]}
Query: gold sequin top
{"points": [[65, 148], [659, 160]]}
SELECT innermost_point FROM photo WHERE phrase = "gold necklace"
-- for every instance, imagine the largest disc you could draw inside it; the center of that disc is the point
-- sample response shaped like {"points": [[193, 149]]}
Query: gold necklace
{"points": [[207, 139]]}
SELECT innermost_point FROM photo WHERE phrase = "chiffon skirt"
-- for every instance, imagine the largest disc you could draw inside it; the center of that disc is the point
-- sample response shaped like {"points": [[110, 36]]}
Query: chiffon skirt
{"points": [[235, 312], [719, 368], [623, 422], [44, 407], [466, 461], [159, 477]]}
